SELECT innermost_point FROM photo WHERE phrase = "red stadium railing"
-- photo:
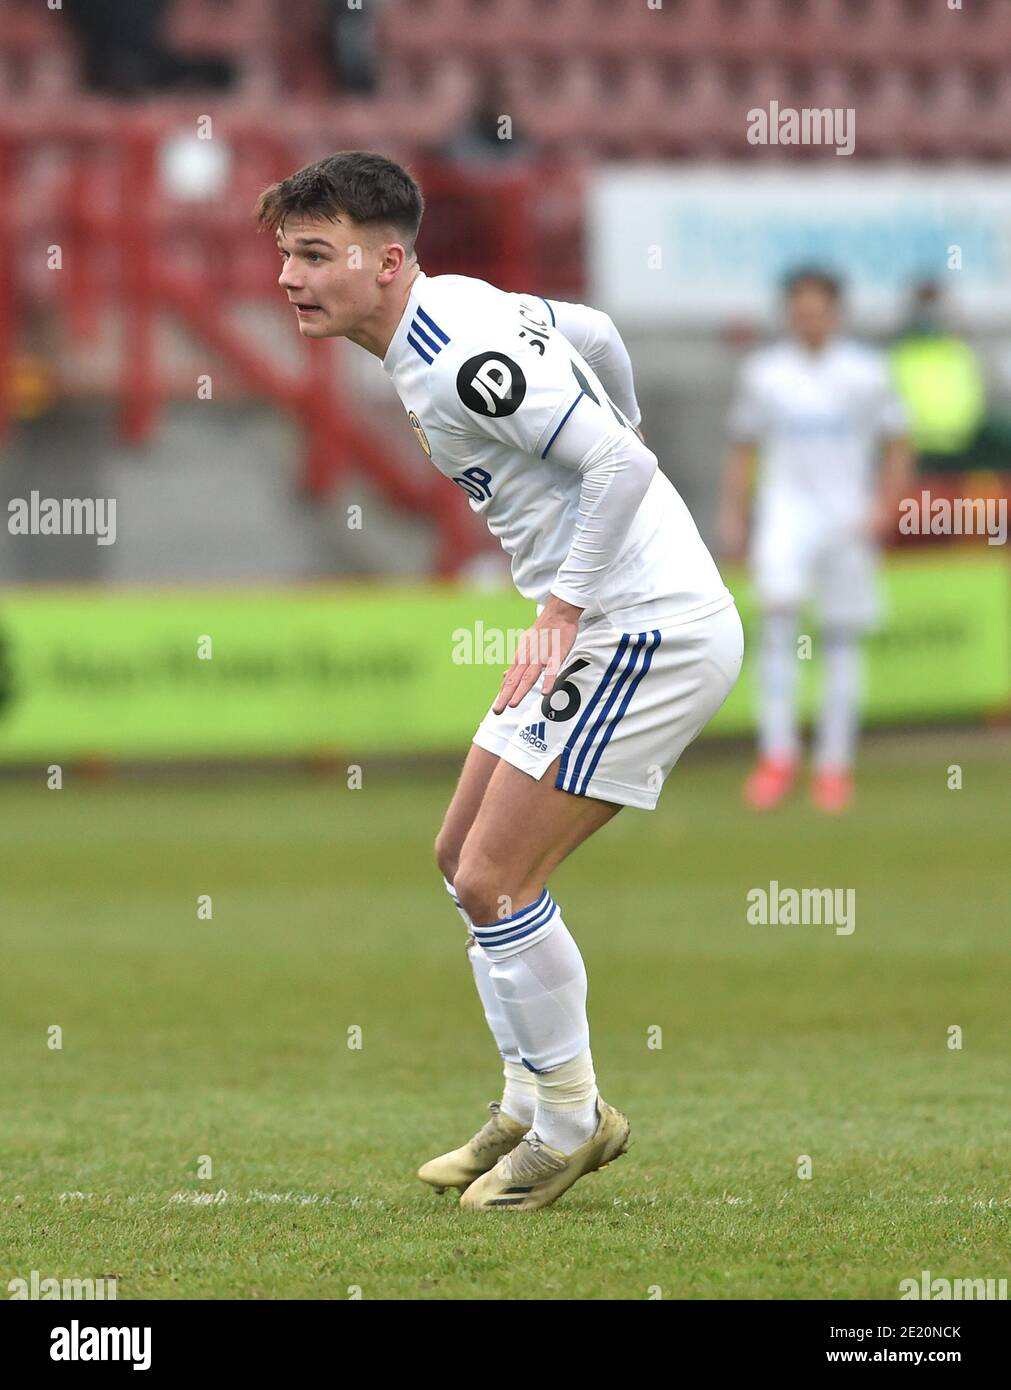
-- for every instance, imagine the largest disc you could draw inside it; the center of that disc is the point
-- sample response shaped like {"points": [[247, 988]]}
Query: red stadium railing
{"points": [[128, 245]]}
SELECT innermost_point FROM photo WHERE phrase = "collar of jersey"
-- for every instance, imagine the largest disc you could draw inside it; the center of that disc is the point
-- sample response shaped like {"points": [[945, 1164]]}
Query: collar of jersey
{"points": [[396, 347]]}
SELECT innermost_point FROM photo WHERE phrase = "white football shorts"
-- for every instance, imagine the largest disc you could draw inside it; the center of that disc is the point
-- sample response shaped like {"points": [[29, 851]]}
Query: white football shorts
{"points": [[624, 708], [838, 570]]}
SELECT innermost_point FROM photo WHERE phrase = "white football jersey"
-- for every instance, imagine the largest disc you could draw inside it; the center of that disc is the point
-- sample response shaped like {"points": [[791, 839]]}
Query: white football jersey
{"points": [[818, 419], [507, 408]]}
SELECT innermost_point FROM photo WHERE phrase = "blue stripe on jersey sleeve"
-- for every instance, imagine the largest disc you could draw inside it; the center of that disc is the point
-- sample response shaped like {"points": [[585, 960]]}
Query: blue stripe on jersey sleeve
{"points": [[426, 338], [427, 318], [550, 310], [564, 418], [419, 349]]}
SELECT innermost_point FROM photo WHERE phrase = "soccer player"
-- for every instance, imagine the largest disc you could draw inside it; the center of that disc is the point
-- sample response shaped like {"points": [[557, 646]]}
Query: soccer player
{"points": [[528, 405], [815, 412]]}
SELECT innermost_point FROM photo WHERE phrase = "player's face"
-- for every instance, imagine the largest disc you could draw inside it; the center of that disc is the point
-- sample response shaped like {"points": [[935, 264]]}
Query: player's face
{"points": [[328, 273], [813, 314]]}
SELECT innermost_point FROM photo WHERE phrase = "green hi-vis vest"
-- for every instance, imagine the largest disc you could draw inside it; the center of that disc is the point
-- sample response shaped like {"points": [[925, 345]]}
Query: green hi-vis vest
{"points": [[941, 386]]}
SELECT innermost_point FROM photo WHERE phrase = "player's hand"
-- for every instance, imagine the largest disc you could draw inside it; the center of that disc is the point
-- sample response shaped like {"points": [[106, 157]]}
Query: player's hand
{"points": [[542, 648]]}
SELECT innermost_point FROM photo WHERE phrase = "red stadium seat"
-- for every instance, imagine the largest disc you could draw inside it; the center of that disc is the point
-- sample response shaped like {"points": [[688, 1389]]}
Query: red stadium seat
{"points": [[237, 29], [994, 123], [949, 104], [38, 57], [560, 30], [568, 110], [887, 117], [709, 112], [423, 26]]}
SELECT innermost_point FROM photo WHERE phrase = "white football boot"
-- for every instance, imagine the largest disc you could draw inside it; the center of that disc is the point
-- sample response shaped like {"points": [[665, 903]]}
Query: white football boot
{"points": [[460, 1167], [533, 1175]]}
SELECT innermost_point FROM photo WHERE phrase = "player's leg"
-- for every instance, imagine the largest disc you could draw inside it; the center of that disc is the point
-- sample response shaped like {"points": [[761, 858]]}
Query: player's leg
{"points": [[847, 584], [775, 773], [519, 1094], [514, 1114], [626, 707], [837, 725], [781, 560], [523, 830], [475, 775]]}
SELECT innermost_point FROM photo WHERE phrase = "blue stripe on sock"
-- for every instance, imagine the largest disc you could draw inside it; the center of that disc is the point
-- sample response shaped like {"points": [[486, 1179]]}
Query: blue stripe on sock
{"points": [[522, 912], [520, 933], [493, 936]]}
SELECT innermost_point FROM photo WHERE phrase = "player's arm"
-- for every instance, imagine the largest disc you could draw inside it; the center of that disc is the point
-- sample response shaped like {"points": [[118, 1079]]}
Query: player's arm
{"points": [[745, 427], [616, 470], [897, 464], [593, 334], [738, 478], [894, 480], [544, 406]]}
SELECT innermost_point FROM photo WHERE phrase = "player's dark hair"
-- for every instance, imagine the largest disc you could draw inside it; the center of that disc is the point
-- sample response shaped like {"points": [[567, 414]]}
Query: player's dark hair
{"points": [[812, 275], [365, 186]]}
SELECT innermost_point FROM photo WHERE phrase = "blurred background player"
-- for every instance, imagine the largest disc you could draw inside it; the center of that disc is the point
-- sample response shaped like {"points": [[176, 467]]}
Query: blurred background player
{"points": [[817, 415]]}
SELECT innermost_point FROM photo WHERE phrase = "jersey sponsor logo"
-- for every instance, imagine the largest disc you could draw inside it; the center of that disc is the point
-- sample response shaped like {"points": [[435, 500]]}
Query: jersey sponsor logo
{"points": [[419, 431], [491, 384], [534, 735], [476, 483], [536, 331]]}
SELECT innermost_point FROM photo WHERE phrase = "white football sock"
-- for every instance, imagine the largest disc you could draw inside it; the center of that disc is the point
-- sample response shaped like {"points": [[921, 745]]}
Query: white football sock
{"points": [[566, 1114], [836, 738], [777, 685], [540, 982], [493, 1012], [519, 1099]]}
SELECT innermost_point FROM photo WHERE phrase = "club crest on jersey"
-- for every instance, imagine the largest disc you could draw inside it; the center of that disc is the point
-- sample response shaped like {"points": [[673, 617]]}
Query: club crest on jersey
{"points": [[416, 426], [491, 384]]}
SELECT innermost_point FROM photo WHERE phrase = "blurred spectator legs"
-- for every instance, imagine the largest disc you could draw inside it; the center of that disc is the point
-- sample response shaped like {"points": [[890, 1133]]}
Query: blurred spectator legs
{"points": [[352, 45], [124, 55]]}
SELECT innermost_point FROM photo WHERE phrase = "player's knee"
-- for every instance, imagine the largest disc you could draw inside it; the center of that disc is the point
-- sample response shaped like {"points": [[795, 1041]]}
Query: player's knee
{"points": [[447, 856], [478, 886], [487, 892]]}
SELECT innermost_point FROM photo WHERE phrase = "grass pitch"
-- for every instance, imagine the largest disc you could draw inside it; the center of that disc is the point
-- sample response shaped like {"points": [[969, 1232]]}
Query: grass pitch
{"points": [[228, 1038]]}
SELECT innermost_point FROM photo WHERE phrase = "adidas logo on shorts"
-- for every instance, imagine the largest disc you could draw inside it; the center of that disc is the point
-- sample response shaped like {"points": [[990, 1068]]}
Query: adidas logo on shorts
{"points": [[534, 735]]}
